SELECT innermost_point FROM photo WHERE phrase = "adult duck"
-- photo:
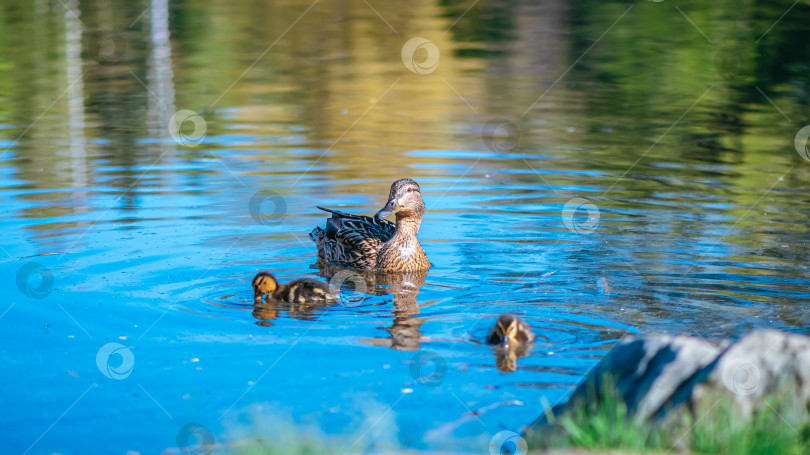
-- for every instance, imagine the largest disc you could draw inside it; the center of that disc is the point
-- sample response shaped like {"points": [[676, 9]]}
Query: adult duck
{"points": [[373, 243]]}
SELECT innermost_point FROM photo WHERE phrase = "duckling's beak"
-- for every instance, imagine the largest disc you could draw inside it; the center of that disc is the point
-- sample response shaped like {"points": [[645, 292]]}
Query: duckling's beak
{"points": [[390, 208], [504, 342]]}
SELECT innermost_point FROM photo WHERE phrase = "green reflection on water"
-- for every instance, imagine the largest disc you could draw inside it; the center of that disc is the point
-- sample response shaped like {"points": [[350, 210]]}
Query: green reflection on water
{"points": [[336, 63]]}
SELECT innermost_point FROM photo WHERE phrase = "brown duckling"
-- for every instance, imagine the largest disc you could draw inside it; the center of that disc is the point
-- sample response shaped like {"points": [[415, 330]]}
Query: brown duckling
{"points": [[373, 243], [302, 290], [511, 332], [513, 338]]}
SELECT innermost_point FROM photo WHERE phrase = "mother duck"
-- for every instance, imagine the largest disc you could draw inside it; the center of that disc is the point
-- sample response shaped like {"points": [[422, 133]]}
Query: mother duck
{"points": [[373, 243]]}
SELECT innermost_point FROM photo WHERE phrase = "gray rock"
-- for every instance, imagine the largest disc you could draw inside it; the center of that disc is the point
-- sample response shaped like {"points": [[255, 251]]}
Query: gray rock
{"points": [[657, 374], [759, 365]]}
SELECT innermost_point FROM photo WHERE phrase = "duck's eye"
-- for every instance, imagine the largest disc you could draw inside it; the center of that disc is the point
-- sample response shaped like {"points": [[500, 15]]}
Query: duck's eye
{"points": [[410, 189]]}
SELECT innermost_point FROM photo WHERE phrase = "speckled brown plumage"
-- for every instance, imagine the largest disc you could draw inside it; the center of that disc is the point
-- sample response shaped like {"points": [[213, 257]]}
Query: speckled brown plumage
{"points": [[302, 290], [372, 243]]}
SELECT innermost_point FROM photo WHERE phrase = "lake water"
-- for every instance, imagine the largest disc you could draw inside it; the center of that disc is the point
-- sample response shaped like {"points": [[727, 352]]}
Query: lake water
{"points": [[598, 168]]}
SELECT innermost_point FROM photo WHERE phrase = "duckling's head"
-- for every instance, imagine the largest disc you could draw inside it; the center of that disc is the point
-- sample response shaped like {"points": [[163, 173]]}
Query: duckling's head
{"points": [[510, 331], [263, 283], [404, 200]]}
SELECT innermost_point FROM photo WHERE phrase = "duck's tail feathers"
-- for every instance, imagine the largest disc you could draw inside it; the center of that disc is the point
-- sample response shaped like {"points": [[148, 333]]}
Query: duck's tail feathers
{"points": [[339, 213]]}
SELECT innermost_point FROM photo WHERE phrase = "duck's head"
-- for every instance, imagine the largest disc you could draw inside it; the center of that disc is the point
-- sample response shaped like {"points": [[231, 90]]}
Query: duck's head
{"points": [[404, 200], [263, 283], [510, 332]]}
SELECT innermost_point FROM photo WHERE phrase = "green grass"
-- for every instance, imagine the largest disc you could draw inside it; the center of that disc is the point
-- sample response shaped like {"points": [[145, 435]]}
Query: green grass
{"points": [[599, 422], [778, 426]]}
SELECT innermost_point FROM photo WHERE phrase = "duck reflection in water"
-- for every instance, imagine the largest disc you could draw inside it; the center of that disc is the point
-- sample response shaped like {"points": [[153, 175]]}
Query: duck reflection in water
{"points": [[512, 338], [404, 286]]}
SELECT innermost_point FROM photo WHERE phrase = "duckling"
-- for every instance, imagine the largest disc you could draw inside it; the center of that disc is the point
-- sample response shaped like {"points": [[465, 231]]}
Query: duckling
{"points": [[302, 290], [511, 332], [513, 338], [373, 243]]}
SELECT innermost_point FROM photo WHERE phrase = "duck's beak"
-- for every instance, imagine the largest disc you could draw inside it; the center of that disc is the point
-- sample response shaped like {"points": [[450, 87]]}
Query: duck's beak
{"points": [[390, 208]]}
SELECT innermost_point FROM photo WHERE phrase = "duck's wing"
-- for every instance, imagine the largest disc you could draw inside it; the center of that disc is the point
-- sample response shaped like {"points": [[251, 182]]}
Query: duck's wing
{"points": [[375, 227], [352, 249], [352, 240]]}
